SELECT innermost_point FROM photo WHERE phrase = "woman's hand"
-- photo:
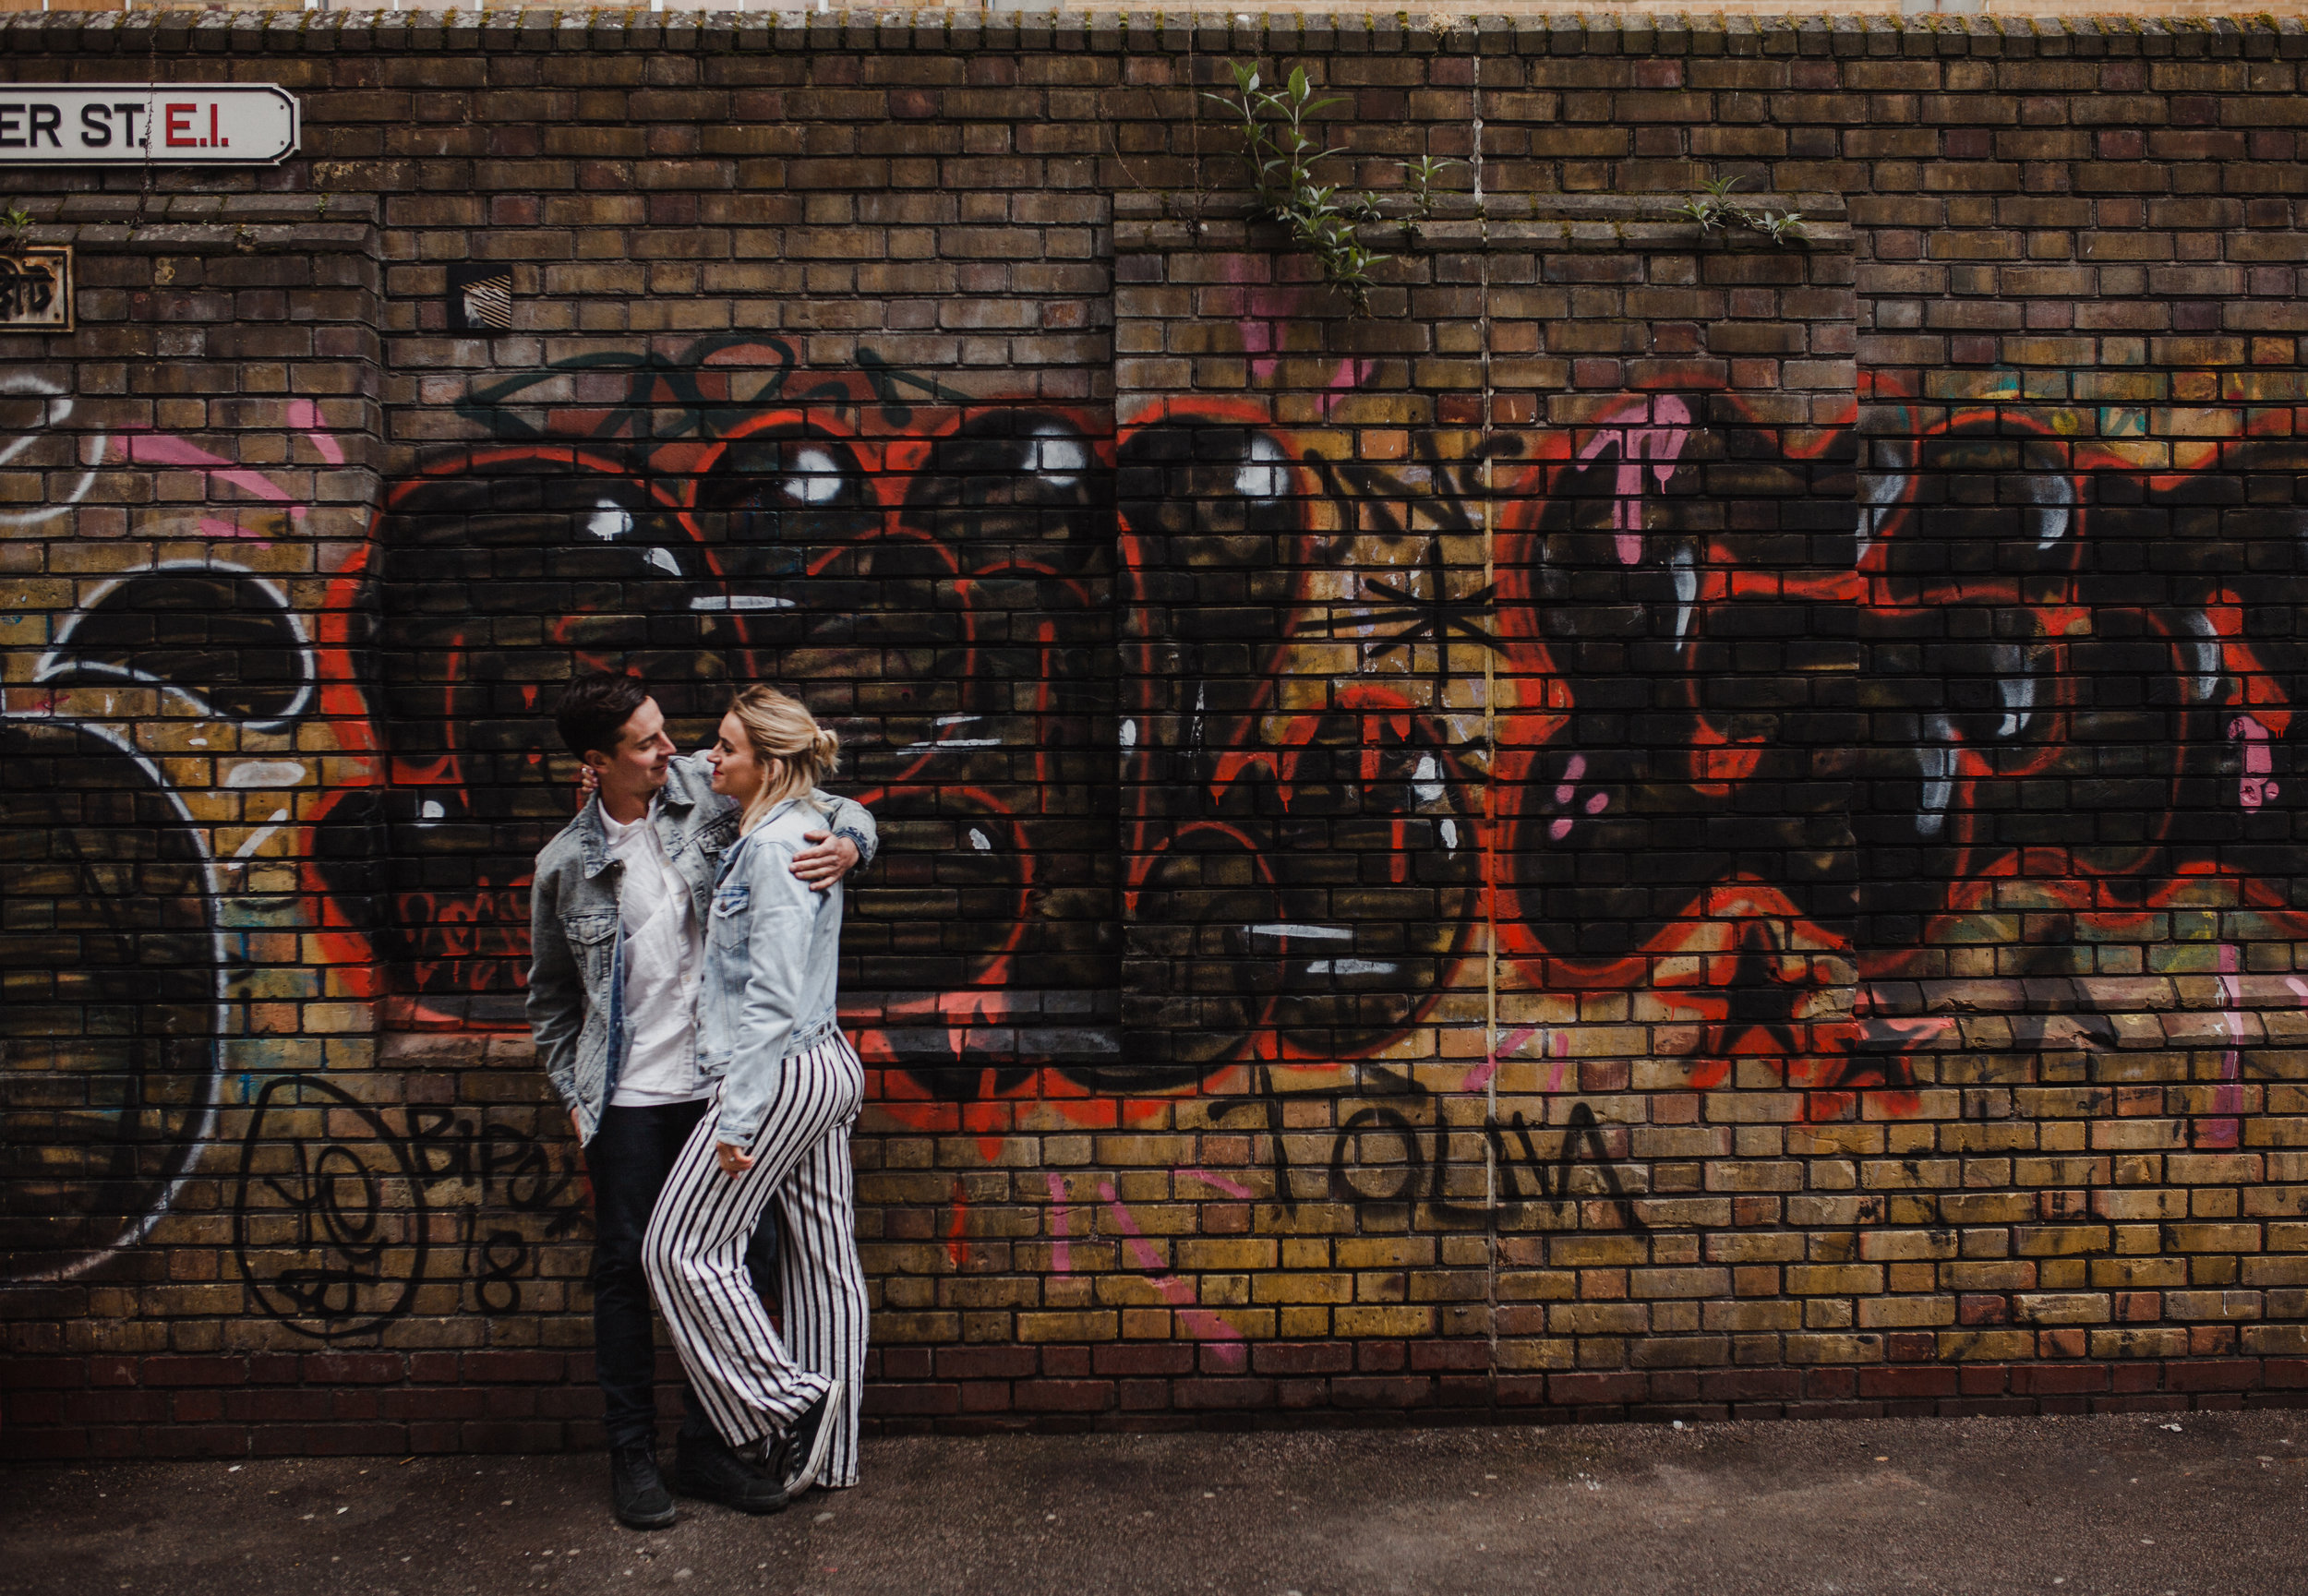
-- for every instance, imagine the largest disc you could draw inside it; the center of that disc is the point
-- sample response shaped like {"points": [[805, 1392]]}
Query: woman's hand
{"points": [[733, 1159]]}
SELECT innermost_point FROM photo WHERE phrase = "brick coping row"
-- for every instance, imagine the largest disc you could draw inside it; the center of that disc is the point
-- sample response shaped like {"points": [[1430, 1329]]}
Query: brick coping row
{"points": [[1181, 30]]}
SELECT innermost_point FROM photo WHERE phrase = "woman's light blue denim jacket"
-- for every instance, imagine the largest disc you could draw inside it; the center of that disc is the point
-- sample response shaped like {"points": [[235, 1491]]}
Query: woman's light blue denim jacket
{"points": [[771, 950]]}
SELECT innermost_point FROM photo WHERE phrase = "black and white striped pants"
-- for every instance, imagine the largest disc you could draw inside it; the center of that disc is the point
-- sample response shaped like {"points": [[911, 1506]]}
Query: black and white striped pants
{"points": [[751, 1382]]}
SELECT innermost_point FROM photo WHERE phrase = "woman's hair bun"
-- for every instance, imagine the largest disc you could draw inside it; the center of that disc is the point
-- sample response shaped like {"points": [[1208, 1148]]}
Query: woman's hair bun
{"points": [[827, 745]]}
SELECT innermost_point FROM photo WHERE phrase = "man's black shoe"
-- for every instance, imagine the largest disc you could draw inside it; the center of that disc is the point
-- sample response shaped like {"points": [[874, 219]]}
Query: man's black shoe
{"points": [[707, 1470], [808, 1443], [642, 1502]]}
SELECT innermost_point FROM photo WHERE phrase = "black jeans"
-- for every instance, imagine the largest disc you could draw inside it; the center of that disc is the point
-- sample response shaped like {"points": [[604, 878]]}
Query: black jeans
{"points": [[628, 1160]]}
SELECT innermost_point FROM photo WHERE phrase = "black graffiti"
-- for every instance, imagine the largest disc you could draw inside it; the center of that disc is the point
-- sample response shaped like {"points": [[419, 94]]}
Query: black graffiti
{"points": [[684, 393], [115, 974], [330, 1231], [1316, 857], [223, 640], [118, 962], [1420, 1178], [336, 1232], [715, 515], [502, 1259], [1525, 1174], [667, 395], [512, 1167]]}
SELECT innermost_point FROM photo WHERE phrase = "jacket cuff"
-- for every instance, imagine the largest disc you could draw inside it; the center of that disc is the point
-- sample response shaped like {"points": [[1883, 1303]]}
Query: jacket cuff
{"points": [[858, 840]]}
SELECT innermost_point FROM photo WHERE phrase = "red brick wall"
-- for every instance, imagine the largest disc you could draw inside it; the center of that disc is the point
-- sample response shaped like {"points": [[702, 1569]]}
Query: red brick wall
{"points": [[1666, 824]]}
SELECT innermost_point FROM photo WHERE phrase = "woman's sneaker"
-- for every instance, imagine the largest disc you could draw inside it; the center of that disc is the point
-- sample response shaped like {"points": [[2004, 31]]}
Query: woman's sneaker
{"points": [[810, 1441], [709, 1469]]}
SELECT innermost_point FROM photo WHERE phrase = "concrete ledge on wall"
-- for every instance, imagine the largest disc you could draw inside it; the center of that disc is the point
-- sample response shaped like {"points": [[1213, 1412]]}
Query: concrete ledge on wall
{"points": [[207, 223], [1145, 222]]}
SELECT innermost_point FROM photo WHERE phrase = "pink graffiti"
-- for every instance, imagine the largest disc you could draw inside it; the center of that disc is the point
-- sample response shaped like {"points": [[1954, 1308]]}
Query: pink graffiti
{"points": [[1266, 312], [213, 528], [2254, 788], [1219, 1184], [163, 449], [1568, 789], [1199, 1323], [1483, 1071], [153, 449], [1660, 444], [305, 415]]}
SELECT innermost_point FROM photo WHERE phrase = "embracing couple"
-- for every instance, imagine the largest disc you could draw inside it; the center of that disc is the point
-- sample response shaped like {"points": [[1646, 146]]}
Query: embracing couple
{"points": [[681, 988]]}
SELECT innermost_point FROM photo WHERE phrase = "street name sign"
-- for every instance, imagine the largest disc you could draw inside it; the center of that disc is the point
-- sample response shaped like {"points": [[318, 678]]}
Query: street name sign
{"points": [[136, 124]]}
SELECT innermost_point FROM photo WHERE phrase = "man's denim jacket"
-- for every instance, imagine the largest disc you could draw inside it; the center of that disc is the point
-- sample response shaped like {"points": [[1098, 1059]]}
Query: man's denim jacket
{"points": [[576, 958], [772, 950]]}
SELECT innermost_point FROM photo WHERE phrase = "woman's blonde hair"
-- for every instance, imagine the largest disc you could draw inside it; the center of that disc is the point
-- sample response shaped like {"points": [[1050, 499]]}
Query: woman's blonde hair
{"points": [[779, 726]]}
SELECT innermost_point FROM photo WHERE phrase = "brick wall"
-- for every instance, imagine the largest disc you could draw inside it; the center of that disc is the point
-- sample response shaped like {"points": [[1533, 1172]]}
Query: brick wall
{"points": [[1665, 824]]}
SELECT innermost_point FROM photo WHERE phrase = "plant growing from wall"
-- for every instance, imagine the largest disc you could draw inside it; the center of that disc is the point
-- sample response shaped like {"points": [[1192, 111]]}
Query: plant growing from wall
{"points": [[1418, 181], [16, 230], [1714, 208], [1325, 219]]}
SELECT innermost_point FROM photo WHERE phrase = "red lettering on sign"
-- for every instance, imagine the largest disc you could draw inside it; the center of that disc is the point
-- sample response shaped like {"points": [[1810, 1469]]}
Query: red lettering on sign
{"points": [[181, 124]]}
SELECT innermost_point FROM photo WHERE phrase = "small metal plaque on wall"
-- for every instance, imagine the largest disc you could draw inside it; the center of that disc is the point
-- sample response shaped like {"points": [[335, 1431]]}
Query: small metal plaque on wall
{"points": [[36, 289]]}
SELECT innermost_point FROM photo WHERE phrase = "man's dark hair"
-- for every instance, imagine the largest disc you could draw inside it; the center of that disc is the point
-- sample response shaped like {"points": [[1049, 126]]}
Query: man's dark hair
{"points": [[594, 709]]}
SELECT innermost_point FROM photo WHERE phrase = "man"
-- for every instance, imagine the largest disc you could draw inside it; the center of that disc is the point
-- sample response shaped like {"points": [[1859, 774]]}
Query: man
{"points": [[617, 921]]}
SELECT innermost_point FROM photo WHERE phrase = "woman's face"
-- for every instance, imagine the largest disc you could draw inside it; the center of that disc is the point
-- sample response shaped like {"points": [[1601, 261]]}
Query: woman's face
{"points": [[737, 775]]}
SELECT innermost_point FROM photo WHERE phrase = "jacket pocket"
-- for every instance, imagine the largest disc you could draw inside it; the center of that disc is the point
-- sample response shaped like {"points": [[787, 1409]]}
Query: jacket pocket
{"points": [[728, 938], [590, 937], [585, 930]]}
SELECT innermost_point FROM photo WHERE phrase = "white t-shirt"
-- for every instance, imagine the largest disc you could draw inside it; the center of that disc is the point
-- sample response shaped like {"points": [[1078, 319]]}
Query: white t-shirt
{"points": [[664, 954]]}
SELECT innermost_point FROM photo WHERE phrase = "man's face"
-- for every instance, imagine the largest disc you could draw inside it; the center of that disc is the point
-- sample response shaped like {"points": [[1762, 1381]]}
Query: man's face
{"points": [[636, 767]]}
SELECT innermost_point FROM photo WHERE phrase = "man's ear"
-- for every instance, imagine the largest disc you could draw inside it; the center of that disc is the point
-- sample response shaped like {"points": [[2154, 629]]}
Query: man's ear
{"points": [[595, 758]]}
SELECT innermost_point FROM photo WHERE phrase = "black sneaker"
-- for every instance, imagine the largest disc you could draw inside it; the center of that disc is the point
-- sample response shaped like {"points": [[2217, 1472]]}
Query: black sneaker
{"points": [[707, 1469], [808, 1442], [642, 1502]]}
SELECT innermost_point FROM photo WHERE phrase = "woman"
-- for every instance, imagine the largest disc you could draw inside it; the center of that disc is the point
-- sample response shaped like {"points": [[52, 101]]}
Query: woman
{"points": [[790, 1088]]}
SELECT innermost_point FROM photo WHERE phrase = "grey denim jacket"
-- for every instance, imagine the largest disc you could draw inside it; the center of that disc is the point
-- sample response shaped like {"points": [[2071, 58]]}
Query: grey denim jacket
{"points": [[577, 960], [771, 957]]}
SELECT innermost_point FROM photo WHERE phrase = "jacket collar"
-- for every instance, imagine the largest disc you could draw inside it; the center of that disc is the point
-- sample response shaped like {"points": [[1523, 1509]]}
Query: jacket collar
{"points": [[736, 849], [678, 792], [593, 836], [593, 843]]}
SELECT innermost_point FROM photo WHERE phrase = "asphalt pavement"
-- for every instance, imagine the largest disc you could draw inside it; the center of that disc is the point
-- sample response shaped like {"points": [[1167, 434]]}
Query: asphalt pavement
{"points": [[2163, 1505]]}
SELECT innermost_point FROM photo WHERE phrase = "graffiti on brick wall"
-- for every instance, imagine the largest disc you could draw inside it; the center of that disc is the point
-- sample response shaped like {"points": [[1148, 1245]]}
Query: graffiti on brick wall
{"points": [[160, 739], [115, 997], [1327, 851], [928, 571], [345, 1214], [1772, 735], [1755, 729], [1404, 1151], [122, 940]]}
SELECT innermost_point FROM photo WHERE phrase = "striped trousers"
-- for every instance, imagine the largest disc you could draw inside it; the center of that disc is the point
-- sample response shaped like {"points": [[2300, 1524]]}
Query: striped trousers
{"points": [[751, 1382]]}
